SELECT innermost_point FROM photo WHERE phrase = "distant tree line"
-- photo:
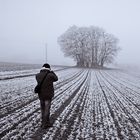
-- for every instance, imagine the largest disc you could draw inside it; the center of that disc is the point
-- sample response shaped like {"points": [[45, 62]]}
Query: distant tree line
{"points": [[89, 46]]}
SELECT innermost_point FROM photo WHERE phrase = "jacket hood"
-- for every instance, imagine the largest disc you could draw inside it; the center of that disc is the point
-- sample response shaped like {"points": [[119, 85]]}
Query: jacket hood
{"points": [[44, 69]]}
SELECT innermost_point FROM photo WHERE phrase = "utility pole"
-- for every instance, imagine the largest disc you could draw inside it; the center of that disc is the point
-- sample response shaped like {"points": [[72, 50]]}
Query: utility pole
{"points": [[46, 52]]}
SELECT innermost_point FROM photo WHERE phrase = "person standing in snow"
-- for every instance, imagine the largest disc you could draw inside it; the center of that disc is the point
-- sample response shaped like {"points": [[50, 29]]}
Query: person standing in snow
{"points": [[46, 93]]}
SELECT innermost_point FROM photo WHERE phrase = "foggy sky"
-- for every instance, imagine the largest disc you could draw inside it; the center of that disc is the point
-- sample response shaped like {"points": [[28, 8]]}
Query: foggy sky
{"points": [[27, 25]]}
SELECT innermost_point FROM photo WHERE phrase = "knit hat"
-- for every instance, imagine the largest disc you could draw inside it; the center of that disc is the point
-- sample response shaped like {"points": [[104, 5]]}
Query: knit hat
{"points": [[46, 65]]}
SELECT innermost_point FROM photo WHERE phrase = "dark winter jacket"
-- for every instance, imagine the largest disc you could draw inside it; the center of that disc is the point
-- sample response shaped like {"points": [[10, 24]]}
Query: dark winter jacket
{"points": [[47, 89]]}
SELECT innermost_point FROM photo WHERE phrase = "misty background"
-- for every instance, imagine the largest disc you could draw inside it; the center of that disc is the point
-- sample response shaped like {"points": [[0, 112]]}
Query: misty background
{"points": [[27, 25]]}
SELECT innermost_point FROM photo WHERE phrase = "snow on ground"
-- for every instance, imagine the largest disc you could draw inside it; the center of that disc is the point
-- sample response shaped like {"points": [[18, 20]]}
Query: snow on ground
{"points": [[88, 105]]}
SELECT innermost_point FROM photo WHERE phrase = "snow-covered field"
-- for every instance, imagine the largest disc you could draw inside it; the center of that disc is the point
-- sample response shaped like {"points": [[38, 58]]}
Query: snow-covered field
{"points": [[88, 105]]}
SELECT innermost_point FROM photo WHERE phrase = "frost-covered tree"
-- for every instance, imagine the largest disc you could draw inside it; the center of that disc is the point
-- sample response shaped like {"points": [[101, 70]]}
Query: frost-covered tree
{"points": [[108, 49], [89, 46]]}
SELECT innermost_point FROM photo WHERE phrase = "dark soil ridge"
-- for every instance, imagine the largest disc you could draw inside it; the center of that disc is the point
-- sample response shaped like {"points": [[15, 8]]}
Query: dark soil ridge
{"points": [[77, 113]]}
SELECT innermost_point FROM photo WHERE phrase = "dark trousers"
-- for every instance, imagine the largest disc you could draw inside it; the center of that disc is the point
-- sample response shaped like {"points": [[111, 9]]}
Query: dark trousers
{"points": [[45, 111]]}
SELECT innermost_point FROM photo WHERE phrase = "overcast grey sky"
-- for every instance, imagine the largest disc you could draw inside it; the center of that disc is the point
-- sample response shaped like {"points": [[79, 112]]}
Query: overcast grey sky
{"points": [[26, 25]]}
